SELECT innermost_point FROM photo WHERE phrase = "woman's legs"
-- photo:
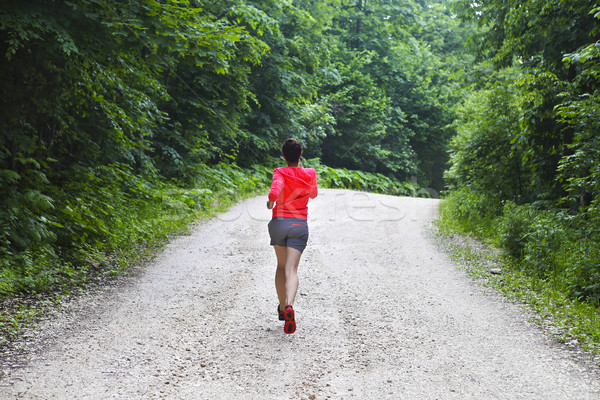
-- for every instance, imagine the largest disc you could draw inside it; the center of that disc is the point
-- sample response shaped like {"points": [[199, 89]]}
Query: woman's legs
{"points": [[281, 253], [291, 274], [286, 276]]}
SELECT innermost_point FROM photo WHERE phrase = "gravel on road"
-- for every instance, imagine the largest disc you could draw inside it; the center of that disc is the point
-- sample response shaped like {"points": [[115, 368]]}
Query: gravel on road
{"points": [[382, 313]]}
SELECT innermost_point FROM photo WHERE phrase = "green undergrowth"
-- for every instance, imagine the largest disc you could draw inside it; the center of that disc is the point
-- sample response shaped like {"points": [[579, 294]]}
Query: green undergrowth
{"points": [[103, 220], [342, 178], [97, 225], [526, 249]]}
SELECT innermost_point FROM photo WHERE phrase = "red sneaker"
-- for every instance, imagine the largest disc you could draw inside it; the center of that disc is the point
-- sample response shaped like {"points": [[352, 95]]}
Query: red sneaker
{"points": [[290, 322]]}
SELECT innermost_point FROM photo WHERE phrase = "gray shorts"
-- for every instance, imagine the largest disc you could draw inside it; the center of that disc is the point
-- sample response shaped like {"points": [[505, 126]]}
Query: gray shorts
{"points": [[289, 232]]}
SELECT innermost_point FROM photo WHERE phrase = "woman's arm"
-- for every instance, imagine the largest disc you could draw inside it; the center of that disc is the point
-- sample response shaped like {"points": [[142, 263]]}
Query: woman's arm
{"points": [[315, 190], [276, 186]]}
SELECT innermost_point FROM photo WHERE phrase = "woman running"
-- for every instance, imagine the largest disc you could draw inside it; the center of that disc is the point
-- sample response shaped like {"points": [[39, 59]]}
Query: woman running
{"points": [[291, 188]]}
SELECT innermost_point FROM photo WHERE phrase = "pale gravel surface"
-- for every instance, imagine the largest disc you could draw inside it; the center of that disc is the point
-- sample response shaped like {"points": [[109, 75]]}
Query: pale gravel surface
{"points": [[382, 313]]}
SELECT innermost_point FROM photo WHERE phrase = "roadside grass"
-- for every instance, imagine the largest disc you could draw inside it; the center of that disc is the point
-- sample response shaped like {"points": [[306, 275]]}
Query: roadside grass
{"points": [[570, 321]]}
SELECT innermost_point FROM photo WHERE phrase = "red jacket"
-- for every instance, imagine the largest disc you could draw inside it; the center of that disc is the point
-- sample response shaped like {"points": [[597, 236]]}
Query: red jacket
{"points": [[291, 189]]}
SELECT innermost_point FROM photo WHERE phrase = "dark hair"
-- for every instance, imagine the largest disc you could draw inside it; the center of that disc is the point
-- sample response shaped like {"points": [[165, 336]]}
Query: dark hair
{"points": [[292, 150]]}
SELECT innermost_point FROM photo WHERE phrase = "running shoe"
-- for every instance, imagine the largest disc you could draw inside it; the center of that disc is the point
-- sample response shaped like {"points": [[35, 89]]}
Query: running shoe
{"points": [[280, 313], [290, 322]]}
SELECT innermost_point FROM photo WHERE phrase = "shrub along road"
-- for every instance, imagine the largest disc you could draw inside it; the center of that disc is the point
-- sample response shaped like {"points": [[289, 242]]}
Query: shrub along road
{"points": [[381, 312]]}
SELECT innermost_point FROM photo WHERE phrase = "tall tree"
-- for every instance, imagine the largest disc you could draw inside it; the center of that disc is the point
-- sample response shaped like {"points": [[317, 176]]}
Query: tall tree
{"points": [[534, 37]]}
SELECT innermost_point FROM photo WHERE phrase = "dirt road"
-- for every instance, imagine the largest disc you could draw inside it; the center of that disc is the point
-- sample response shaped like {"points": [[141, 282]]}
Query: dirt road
{"points": [[382, 313]]}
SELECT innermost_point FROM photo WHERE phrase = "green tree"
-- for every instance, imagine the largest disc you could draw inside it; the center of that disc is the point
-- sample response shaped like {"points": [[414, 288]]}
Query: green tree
{"points": [[533, 37], [484, 157], [531, 32], [579, 112], [284, 85], [85, 103], [360, 109]]}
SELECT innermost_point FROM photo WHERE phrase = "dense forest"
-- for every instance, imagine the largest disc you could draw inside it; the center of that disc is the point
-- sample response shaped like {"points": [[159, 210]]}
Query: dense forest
{"points": [[122, 121], [525, 163]]}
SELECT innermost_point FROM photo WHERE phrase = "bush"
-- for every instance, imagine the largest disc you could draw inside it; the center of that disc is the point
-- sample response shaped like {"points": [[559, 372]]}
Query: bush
{"points": [[548, 245], [103, 217], [343, 178], [515, 227], [582, 271], [483, 155], [473, 212], [543, 246]]}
